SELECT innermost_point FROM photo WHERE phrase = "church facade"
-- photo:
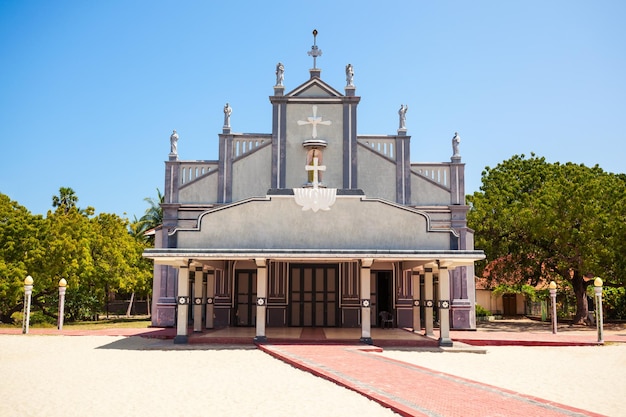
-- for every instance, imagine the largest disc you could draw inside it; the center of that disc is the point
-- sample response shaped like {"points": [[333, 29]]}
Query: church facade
{"points": [[314, 225]]}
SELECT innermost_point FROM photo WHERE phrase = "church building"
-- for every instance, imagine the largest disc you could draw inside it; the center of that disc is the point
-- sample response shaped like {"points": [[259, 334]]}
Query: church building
{"points": [[314, 225]]}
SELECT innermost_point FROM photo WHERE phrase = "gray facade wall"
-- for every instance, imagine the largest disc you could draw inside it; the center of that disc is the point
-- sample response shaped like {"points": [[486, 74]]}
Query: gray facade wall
{"points": [[203, 190], [252, 174], [296, 175], [427, 193], [278, 223], [376, 174]]}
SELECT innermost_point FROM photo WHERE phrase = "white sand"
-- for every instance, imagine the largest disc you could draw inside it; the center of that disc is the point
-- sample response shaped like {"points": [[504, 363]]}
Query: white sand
{"points": [[113, 376], [105, 376], [590, 377]]}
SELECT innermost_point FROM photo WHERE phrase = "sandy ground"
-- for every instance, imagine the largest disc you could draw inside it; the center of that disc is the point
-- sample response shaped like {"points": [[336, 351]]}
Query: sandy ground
{"points": [[115, 376], [589, 377], [104, 376]]}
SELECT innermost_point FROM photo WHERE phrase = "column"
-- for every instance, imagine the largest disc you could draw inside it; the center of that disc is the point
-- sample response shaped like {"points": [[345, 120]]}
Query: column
{"points": [[197, 300], [210, 299], [183, 304], [261, 299], [428, 301], [415, 284], [444, 307], [366, 302]]}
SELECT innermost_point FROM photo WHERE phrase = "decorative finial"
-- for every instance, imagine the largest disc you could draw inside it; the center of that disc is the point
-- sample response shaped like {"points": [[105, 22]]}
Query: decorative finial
{"points": [[315, 52]]}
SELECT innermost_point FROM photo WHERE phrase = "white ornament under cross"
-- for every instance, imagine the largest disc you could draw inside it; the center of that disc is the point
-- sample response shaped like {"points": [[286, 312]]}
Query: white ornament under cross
{"points": [[314, 121], [316, 169]]}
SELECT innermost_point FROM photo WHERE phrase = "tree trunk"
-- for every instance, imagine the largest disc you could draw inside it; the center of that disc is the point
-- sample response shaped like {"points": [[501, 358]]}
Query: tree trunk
{"points": [[130, 304], [580, 290], [6, 317]]}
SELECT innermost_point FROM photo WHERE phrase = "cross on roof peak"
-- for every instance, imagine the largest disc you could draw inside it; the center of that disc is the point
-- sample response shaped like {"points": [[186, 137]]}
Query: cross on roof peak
{"points": [[315, 51]]}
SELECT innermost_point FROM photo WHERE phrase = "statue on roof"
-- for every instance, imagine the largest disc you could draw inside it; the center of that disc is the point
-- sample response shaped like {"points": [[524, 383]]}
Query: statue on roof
{"points": [[227, 111], [280, 74], [456, 140], [174, 143], [349, 75], [402, 114]]}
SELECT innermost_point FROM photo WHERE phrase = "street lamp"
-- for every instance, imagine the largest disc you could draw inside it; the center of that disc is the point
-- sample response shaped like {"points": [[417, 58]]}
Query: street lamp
{"points": [[28, 291], [553, 297], [62, 288], [597, 287]]}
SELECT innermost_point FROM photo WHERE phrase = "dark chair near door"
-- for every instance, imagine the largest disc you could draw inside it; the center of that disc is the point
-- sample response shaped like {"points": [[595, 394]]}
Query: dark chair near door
{"points": [[386, 320]]}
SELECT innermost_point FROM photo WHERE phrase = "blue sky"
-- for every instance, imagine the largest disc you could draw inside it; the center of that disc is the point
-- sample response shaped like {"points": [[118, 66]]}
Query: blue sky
{"points": [[91, 90]]}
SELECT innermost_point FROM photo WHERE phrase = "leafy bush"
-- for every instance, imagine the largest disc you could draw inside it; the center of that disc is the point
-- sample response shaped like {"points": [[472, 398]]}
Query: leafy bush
{"points": [[81, 304], [36, 317], [481, 311], [614, 303]]}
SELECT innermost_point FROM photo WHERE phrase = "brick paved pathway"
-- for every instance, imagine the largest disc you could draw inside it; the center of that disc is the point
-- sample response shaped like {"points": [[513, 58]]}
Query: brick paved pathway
{"points": [[412, 390]]}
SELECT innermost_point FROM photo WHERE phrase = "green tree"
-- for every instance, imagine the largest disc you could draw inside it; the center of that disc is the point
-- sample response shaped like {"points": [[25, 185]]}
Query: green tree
{"points": [[95, 254], [539, 221], [21, 253], [69, 239], [141, 231], [152, 218], [66, 199], [117, 256]]}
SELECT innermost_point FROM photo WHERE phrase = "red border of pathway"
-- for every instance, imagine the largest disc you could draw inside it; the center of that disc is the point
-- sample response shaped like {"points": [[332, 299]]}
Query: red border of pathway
{"points": [[152, 332]]}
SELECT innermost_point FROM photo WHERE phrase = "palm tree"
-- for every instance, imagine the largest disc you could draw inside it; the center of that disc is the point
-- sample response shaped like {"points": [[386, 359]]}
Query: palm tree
{"points": [[152, 218], [67, 199], [137, 230]]}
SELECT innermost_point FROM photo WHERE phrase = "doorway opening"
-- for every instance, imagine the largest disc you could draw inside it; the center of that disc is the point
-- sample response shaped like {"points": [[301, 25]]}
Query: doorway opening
{"points": [[384, 293], [245, 298]]}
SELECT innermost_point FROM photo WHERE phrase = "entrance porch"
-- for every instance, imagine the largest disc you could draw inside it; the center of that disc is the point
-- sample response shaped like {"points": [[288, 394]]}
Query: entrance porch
{"points": [[302, 289], [319, 335]]}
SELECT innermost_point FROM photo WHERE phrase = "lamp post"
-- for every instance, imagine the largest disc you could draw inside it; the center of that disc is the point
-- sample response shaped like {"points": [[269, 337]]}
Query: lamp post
{"points": [[28, 291], [597, 287], [553, 298], [62, 288]]}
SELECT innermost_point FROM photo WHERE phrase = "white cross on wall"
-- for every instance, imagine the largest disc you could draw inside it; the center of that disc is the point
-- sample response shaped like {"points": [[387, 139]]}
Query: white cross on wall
{"points": [[316, 169], [314, 121]]}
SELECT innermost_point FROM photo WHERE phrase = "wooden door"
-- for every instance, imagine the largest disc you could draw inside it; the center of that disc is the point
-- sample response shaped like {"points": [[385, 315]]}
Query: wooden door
{"points": [[245, 298], [313, 296], [509, 304]]}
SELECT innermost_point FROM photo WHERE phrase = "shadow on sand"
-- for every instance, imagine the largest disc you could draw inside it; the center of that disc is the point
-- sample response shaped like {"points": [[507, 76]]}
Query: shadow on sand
{"points": [[142, 343]]}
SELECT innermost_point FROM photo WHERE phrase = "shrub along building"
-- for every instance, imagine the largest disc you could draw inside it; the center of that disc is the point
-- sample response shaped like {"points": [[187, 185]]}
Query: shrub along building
{"points": [[314, 225]]}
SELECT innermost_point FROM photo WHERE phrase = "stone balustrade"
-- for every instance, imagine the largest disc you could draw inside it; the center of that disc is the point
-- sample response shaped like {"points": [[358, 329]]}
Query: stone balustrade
{"points": [[244, 144], [436, 172], [383, 146], [190, 170]]}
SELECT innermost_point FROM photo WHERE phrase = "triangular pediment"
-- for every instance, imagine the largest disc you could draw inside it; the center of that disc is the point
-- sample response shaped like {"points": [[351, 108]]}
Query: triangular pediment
{"points": [[314, 87]]}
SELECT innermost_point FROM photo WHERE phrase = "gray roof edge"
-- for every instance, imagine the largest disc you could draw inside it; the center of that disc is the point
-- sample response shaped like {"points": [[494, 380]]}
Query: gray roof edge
{"points": [[314, 253]]}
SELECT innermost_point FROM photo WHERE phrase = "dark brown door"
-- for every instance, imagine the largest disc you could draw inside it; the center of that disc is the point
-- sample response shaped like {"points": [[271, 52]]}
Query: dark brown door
{"points": [[313, 296], [509, 304], [245, 297]]}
